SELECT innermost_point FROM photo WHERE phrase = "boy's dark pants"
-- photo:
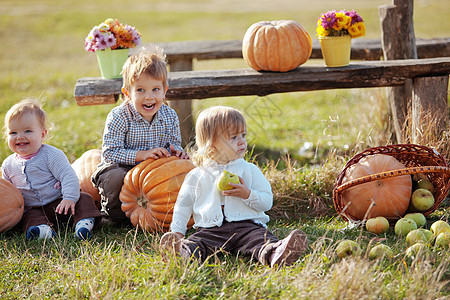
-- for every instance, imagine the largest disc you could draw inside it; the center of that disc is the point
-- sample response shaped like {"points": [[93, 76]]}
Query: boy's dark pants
{"points": [[84, 208], [108, 179], [244, 237]]}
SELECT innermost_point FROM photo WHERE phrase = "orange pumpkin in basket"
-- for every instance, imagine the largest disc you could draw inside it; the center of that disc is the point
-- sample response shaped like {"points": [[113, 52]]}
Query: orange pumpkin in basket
{"points": [[277, 46], [11, 203], [387, 197], [150, 190], [85, 166]]}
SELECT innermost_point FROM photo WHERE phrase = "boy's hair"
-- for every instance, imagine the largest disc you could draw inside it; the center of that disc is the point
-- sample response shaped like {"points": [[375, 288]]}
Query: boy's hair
{"points": [[150, 60], [28, 105], [213, 123]]}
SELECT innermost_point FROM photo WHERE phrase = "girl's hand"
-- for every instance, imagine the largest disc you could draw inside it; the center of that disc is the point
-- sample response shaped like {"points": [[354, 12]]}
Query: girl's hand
{"points": [[64, 206], [179, 153], [238, 190]]}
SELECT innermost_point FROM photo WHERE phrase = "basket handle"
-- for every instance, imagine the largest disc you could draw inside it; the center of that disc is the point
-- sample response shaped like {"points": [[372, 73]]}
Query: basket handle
{"points": [[393, 173]]}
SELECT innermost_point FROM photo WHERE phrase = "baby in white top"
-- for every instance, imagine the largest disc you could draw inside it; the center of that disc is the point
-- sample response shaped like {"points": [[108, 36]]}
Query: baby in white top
{"points": [[233, 220]]}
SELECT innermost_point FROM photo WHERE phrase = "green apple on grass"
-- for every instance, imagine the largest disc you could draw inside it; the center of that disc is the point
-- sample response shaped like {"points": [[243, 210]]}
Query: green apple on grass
{"points": [[422, 199], [404, 225], [442, 240], [347, 248], [439, 227], [225, 179], [416, 236], [381, 251], [377, 225], [428, 234], [417, 249], [418, 217]]}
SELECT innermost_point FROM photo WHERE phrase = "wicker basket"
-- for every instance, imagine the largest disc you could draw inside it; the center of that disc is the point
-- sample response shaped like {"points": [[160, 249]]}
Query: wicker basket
{"points": [[417, 159]]}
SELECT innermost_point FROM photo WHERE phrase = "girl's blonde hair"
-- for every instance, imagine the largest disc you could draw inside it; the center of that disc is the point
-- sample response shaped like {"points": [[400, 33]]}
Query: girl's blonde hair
{"points": [[28, 105], [213, 123], [150, 60]]}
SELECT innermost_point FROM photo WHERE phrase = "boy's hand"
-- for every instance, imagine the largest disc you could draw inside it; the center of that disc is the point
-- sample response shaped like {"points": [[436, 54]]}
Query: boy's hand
{"points": [[238, 190], [64, 206], [154, 153], [179, 153]]}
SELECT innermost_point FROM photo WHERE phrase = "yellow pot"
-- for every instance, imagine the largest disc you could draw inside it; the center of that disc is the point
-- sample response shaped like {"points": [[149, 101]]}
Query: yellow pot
{"points": [[336, 50], [111, 62]]}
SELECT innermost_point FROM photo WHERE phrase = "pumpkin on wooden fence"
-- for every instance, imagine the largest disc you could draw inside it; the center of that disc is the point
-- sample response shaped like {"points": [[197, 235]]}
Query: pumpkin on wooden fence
{"points": [[278, 46], [150, 190], [388, 197], [11, 204], [85, 166]]}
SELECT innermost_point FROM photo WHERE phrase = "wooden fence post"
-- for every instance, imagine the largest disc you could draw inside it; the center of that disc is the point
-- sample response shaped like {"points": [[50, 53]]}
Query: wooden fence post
{"points": [[429, 116], [183, 107], [398, 42]]}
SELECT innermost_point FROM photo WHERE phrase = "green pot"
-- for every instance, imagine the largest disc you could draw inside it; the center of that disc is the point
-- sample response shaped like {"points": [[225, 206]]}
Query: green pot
{"points": [[111, 62]]}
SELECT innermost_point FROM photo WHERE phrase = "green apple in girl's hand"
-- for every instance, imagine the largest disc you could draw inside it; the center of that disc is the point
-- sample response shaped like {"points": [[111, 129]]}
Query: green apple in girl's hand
{"points": [[224, 180]]}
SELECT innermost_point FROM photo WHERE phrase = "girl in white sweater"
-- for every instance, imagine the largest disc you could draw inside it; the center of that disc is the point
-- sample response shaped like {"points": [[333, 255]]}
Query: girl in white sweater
{"points": [[232, 220]]}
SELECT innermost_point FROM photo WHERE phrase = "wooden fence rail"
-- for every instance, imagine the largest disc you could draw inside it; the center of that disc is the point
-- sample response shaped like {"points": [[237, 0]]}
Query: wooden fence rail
{"points": [[366, 70], [362, 49], [241, 82]]}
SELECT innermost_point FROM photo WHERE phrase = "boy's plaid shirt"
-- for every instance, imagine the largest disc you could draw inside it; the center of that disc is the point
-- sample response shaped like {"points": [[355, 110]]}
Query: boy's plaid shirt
{"points": [[127, 132]]}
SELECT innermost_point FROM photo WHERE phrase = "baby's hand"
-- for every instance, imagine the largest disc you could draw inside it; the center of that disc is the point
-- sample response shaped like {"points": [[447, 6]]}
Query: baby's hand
{"points": [[239, 190], [64, 206], [179, 153]]}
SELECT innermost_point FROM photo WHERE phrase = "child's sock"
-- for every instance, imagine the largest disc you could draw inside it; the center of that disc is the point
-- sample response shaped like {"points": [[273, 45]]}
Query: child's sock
{"points": [[42, 231], [83, 228]]}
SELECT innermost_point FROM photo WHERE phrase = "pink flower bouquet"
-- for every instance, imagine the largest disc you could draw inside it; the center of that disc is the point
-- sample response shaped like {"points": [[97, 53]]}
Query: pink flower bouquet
{"points": [[112, 34]]}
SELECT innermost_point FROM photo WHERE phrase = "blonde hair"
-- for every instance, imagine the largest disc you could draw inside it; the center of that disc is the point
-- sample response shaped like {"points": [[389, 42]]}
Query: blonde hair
{"points": [[213, 123], [28, 105], [150, 60]]}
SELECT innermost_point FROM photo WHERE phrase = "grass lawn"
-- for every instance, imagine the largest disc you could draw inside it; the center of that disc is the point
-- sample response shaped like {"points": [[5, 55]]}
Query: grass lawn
{"points": [[43, 57]]}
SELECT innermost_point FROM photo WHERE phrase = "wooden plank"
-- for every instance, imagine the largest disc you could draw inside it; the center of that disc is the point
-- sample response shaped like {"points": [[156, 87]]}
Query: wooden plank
{"points": [[104, 91], [242, 82], [362, 49]]}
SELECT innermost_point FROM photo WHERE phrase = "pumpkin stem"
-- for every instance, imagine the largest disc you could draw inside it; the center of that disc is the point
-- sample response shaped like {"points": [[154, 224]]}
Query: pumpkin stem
{"points": [[142, 201]]}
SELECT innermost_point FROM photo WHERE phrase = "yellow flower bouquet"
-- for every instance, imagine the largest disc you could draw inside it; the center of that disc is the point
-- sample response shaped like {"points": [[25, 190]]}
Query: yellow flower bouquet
{"points": [[340, 23]]}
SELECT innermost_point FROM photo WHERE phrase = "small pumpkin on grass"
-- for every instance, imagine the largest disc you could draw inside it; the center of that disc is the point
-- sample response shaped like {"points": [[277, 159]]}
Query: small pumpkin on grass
{"points": [[388, 197], [11, 203], [278, 46], [85, 166], [150, 190]]}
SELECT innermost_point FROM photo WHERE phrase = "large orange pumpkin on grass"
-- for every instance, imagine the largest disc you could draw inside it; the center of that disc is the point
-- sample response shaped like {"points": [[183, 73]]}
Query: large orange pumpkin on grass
{"points": [[150, 190], [277, 46], [11, 205], [388, 197], [85, 166]]}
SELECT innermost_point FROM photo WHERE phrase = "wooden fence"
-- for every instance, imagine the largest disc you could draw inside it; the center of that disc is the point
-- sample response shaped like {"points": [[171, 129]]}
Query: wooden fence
{"points": [[186, 84]]}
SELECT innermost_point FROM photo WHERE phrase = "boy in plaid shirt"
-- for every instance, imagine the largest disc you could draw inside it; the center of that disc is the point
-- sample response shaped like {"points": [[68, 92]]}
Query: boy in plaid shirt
{"points": [[142, 127]]}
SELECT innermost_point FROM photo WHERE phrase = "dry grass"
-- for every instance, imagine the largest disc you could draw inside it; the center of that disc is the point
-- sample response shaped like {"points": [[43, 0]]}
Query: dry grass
{"points": [[429, 133]]}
